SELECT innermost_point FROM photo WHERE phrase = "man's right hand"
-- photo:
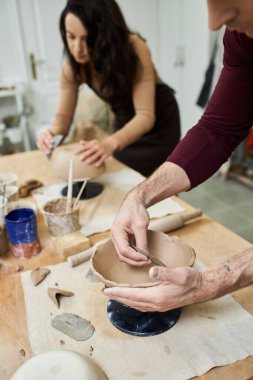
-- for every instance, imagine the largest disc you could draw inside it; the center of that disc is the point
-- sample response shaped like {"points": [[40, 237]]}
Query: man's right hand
{"points": [[132, 219], [45, 141]]}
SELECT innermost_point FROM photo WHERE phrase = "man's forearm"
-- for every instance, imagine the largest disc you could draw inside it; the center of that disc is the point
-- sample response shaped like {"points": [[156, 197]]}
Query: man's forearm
{"points": [[169, 179], [235, 273]]}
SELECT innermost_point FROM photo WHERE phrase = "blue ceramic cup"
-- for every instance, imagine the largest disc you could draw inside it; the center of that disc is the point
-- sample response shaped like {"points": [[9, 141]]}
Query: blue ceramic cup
{"points": [[21, 225]]}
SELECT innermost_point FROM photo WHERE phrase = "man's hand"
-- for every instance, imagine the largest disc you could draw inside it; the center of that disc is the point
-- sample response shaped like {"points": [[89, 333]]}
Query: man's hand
{"points": [[179, 287], [132, 219]]}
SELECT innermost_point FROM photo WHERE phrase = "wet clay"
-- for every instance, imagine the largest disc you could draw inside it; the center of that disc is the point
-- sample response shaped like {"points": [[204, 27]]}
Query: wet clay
{"points": [[81, 170], [58, 220], [55, 293], [38, 275], [171, 250], [74, 326], [4, 241]]}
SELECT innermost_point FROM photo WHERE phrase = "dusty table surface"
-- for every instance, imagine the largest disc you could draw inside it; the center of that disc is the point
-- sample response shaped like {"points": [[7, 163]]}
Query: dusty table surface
{"points": [[212, 242]]}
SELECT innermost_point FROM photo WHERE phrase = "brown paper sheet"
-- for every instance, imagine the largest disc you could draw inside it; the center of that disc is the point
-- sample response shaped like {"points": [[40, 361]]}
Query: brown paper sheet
{"points": [[210, 334]]}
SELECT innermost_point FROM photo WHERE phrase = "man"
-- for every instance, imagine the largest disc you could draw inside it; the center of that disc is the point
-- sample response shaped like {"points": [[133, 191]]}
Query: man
{"points": [[225, 123]]}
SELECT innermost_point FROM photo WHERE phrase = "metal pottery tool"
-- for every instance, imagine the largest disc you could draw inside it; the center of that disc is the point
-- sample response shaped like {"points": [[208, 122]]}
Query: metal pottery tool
{"points": [[153, 259], [166, 224], [56, 142]]}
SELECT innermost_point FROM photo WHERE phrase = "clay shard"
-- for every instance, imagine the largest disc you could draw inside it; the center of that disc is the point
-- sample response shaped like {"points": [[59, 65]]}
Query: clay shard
{"points": [[39, 274], [55, 293], [74, 326]]}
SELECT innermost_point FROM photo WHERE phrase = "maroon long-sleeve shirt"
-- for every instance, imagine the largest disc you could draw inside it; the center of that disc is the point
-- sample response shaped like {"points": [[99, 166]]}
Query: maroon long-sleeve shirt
{"points": [[227, 118]]}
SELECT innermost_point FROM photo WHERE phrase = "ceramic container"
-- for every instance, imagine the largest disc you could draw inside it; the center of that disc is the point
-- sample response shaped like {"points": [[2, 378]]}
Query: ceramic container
{"points": [[21, 225], [60, 221], [171, 250]]}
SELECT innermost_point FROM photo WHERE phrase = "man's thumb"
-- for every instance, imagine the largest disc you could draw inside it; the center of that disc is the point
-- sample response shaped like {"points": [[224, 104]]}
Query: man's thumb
{"points": [[159, 273]]}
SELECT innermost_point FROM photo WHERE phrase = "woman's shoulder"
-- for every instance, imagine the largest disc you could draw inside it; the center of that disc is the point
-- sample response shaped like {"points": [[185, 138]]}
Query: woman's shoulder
{"points": [[68, 75], [67, 71], [140, 46]]}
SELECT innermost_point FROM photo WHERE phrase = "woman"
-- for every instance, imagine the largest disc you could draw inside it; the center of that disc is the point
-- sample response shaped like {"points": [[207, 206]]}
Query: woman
{"points": [[103, 53]]}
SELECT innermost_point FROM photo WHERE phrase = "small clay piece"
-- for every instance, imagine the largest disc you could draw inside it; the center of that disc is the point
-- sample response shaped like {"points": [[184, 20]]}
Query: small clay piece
{"points": [[19, 268], [55, 293], [38, 275], [22, 352], [171, 250], [27, 187], [74, 326], [4, 241]]}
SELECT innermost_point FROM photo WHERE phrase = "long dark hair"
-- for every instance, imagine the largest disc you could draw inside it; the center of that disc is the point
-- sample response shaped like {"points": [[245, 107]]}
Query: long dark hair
{"points": [[110, 49]]}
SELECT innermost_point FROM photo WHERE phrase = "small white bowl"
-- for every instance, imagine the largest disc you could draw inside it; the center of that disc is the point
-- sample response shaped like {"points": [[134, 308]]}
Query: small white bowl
{"points": [[19, 204], [11, 193], [9, 179]]}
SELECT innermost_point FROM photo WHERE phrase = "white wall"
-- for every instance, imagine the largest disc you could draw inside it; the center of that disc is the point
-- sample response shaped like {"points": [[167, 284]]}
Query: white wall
{"points": [[176, 32], [179, 46]]}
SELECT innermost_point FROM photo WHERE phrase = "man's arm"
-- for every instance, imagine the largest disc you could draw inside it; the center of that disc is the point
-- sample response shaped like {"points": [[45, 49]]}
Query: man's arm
{"points": [[185, 286], [133, 218]]}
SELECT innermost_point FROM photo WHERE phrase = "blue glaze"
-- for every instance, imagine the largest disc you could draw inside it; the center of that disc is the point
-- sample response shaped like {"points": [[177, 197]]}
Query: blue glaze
{"points": [[21, 226]]}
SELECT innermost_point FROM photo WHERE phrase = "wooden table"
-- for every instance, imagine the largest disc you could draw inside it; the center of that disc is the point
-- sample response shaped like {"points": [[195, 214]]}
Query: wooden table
{"points": [[213, 244]]}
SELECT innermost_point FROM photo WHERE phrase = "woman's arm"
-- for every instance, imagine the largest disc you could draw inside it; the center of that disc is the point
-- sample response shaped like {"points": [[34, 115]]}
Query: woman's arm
{"points": [[143, 98], [96, 152], [65, 110]]}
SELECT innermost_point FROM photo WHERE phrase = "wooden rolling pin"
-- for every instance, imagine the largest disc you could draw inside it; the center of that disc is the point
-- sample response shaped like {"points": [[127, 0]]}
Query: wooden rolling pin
{"points": [[167, 224], [173, 222], [84, 256]]}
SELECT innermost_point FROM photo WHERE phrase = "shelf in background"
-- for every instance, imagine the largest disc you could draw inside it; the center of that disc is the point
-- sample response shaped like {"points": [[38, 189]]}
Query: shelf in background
{"points": [[6, 93]]}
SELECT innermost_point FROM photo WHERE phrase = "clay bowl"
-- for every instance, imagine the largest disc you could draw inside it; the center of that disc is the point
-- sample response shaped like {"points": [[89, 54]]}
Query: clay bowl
{"points": [[60, 164], [171, 250]]}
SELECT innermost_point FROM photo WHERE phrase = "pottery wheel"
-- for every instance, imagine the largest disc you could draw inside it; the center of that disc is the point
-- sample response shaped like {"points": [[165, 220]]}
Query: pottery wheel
{"points": [[92, 189], [135, 322]]}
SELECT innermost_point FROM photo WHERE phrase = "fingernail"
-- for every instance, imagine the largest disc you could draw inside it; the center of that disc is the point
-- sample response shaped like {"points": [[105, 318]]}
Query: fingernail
{"points": [[106, 291], [154, 272]]}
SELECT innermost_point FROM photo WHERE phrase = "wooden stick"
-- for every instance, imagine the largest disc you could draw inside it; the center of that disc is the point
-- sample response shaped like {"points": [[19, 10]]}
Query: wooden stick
{"points": [[81, 257], [80, 192], [70, 185]]}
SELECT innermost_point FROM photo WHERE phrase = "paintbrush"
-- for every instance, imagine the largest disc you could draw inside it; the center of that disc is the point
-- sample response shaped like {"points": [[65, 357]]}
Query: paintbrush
{"points": [[70, 187]]}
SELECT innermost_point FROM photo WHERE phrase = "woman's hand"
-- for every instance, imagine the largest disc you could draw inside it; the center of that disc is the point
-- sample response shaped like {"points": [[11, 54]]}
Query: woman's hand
{"points": [[180, 287], [96, 152], [45, 141]]}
